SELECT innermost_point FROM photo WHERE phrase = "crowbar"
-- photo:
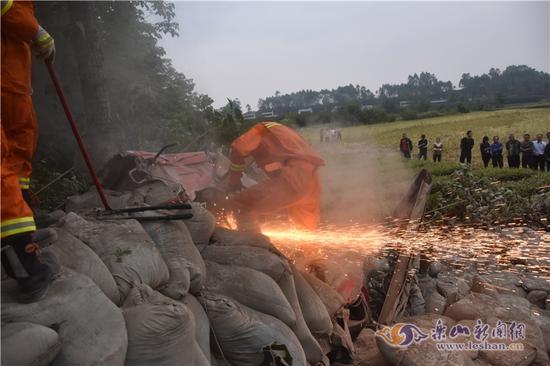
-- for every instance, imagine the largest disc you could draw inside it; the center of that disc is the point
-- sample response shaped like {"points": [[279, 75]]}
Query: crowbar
{"points": [[83, 150]]}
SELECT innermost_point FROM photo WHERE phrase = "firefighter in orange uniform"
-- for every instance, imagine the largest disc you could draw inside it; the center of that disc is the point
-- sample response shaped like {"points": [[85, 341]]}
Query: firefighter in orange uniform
{"points": [[20, 33], [291, 165]]}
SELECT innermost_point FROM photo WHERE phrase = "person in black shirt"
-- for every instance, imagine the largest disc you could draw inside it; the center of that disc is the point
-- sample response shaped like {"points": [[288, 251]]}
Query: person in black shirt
{"points": [[466, 145], [526, 148], [547, 152], [485, 149], [513, 148], [406, 146], [423, 148]]}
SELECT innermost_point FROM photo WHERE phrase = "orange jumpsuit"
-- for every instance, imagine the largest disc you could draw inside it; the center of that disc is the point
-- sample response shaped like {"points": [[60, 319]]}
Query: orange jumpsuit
{"points": [[19, 130], [291, 165]]}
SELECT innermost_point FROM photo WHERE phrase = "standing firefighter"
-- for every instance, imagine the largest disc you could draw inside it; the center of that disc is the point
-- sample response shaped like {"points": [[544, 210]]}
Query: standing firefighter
{"points": [[292, 167], [20, 33]]}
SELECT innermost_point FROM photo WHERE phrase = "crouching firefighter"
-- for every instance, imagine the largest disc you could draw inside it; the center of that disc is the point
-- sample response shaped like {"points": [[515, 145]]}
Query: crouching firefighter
{"points": [[292, 167], [21, 256]]}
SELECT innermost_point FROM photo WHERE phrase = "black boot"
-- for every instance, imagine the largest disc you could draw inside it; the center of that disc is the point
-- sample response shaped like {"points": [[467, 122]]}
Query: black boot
{"points": [[35, 287], [40, 267], [44, 237]]}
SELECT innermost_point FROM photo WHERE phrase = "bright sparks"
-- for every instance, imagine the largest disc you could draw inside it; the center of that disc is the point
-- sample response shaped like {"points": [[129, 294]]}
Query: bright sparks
{"points": [[514, 249]]}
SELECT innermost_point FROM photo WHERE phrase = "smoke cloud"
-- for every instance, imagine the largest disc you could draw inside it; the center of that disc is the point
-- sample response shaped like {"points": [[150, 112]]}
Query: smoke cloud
{"points": [[362, 182]]}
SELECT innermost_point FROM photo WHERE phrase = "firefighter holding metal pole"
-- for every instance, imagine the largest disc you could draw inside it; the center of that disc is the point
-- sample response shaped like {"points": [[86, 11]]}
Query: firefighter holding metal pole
{"points": [[21, 257], [292, 167]]}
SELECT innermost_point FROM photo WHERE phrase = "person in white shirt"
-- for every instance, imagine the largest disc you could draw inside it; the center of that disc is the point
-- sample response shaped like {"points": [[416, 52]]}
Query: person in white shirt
{"points": [[538, 153], [438, 148]]}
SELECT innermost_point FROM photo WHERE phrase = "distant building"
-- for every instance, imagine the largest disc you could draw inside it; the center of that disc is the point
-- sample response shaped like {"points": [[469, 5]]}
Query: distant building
{"points": [[366, 107], [249, 115], [305, 110], [269, 115], [439, 101], [404, 104]]}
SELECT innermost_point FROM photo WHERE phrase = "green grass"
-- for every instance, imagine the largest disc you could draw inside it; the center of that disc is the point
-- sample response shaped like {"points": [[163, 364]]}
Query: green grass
{"points": [[369, 156], [449, 128]]}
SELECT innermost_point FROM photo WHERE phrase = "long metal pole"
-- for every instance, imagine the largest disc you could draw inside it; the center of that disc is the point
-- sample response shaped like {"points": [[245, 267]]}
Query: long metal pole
{"points": [[76, 134]]}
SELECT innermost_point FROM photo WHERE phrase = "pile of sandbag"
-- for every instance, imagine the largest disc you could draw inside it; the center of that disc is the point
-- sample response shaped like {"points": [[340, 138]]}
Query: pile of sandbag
{"points": [[168, 293], [89, 326], [244, 274], [161, 331]]}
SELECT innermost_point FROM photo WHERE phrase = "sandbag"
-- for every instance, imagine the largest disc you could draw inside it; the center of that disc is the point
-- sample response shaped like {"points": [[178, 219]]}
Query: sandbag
{"points": [[242, 332], [192, 254], [333, 300], [154, 192], [228, 237], [249, 257], [166, 236], [124, 247], [26, 344], [251, 288], [201, 225], [74, 254], [202, 325], [91, 328], [161, 331], [314, 311], [312, 349], [200, 358]]}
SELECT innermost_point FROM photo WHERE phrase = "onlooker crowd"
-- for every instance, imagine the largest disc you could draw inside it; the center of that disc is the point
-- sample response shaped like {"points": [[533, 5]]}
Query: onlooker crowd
{"points": [[526, 154]]}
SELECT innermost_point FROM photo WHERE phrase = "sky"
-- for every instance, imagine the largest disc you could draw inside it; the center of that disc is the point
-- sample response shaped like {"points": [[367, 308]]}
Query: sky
{"points": [[249, 50]]}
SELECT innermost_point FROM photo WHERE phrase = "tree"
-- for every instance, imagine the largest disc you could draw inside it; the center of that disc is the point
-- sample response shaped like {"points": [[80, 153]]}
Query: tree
{"points": [[127, 95], [89, 53]]}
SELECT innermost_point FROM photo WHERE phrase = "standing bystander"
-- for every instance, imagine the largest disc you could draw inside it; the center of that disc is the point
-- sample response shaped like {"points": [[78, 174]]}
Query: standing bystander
{"points": [[466, 145], [538, 153], [496, 153], [513, 148], [405, 146], [485, 149], [526, 149], [438, 150]]}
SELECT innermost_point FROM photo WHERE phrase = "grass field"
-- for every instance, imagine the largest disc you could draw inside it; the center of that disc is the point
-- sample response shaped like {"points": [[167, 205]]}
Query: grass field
{"points": [[449, 128], [365, 176]]}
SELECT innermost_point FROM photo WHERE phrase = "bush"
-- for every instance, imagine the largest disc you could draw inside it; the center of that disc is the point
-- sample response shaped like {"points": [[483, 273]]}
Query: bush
{"points": [[408, 114], [478, 199], [444, 168], [430, 114], [300, 120], [486, 196], [375, 115], [529, 186], [505, 175], [461, 108]]}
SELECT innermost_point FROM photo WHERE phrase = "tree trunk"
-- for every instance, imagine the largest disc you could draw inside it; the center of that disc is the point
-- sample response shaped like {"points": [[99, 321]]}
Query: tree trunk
{"points": [[100, 133]]}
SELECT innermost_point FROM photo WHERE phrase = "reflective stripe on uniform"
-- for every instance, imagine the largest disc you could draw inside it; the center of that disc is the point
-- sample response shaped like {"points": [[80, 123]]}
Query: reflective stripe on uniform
{"points": [[271, 124], [6, 5], [45, 40], [237, 167], [17, 226], [24, 182]]}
